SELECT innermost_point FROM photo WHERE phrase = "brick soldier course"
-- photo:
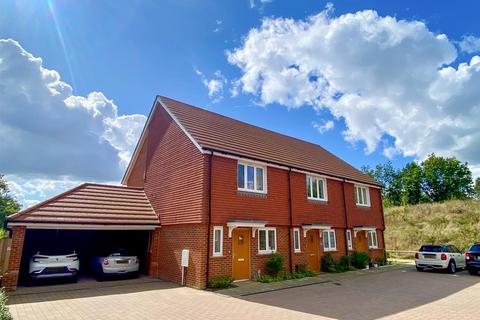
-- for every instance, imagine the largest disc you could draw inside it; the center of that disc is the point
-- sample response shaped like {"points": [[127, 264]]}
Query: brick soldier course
{"points": [[186, 165]]}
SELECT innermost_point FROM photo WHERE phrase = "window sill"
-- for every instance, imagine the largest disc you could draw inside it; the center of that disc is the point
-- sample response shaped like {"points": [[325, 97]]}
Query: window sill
{"points": [[217, 256], [319, 201], [363, 206], [373, 248], [330, 250], [266, 253], [297, 251], [250, 193]]}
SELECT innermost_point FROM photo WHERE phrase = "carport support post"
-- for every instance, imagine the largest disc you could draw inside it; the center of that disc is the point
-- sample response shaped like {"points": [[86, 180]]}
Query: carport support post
{"points": [[10, 279]]}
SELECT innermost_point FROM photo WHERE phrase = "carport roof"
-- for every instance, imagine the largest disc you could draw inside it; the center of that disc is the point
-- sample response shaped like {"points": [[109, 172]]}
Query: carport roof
{"points": [[90, 205]]}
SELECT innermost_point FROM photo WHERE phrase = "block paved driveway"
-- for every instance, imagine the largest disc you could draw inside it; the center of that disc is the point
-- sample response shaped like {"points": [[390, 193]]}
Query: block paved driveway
{"points": [[394, 294]]}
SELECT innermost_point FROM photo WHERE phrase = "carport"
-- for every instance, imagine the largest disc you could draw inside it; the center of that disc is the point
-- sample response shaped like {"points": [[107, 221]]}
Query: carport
{"points": [[88, 219]]}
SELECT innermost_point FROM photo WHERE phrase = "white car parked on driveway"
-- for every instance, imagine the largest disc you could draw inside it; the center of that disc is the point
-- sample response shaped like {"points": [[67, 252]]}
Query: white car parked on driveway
{"points": [[54, 266], [443, 256]]}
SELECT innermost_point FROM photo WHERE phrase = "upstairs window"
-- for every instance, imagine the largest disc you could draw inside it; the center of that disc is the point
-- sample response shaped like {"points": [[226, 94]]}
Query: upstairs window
{"points": [[372, 239], [250, 177], [362, 196], [316, 188]]}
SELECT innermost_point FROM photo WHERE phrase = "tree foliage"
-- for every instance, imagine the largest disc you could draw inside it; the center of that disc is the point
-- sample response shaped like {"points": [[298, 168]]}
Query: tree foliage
{"points": [[434, 179], [8, 204]]}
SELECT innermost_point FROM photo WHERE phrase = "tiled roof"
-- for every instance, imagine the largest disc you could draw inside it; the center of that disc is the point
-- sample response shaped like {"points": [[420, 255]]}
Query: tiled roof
{"points": [[219, 133], [93, 204]]}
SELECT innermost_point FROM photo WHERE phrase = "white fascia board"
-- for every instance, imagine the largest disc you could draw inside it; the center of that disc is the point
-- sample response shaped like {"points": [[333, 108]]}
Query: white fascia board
{"points": [[182, 127], [72, 226]]}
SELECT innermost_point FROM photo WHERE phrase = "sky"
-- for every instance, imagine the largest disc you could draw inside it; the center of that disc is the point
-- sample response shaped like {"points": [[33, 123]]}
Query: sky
{"points": [[370, 81]]}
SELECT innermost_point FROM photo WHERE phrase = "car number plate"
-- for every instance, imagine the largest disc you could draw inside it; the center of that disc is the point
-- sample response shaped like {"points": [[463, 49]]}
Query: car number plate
{"points": [[429, 256], [55, 268], [123, 261]]}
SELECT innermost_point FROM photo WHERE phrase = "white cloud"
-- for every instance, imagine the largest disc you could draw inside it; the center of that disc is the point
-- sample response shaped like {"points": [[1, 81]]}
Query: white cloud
{"points": [[469, 44], [263, 2], [214, 85], [382, 76], [324, 126], [50, 137]]}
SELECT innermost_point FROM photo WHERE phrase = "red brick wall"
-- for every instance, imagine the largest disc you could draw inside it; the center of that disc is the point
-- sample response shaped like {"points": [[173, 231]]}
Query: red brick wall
{"points": [[220, 266], [175, 173], [230, 204], [358, 216], [172, 239], [11, 278], [307, 211]]}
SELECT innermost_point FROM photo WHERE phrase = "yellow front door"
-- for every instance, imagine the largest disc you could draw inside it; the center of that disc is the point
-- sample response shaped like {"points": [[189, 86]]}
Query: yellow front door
{"points": [[361, 242], [312, 250], [241, 254]]}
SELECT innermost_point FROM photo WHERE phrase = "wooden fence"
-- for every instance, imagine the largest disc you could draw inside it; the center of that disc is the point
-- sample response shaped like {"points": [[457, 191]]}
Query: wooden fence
{"points": [[401, 254], [5, 245]]}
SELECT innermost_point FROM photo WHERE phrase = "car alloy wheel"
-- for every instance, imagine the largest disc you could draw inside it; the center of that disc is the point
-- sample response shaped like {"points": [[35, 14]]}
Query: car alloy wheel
{"points": [[452, 268]]}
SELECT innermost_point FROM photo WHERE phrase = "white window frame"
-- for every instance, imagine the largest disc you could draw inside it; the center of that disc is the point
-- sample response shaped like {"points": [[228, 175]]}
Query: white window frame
{"points": [[310, 186], [296, 240], [217, 253], [349, 240], [245, 178], [267, 244], [328, 233], [372, 235], [365, 203]]}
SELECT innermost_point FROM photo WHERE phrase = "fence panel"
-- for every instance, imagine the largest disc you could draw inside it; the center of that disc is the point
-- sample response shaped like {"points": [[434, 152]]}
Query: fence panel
{"points": [[5, 245]]}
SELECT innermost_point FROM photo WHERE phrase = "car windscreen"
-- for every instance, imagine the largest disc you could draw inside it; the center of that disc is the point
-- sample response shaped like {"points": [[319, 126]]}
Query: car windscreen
{"points": [[431, 249], [475, 248], [54, 251], [121, 252]]}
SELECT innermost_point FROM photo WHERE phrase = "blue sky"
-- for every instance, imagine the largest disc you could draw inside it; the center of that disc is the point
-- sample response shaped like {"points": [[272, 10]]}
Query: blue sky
{"points": [[131, 51]]}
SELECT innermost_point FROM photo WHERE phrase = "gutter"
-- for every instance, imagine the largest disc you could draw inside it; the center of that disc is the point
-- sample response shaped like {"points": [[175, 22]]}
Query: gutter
{"points": [[346, 218], [290, 246], [209, 218]]}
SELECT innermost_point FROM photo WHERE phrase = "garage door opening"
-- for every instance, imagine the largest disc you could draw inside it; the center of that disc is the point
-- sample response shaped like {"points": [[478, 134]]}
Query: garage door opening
{"points": [[87, 244]]}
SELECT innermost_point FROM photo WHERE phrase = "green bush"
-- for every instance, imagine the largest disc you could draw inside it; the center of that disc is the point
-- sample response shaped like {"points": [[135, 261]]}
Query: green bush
{"points": [[328, 264], [4, 312], [219, 282], [344, 264], [275, 264], [301, 268], [265, 278], [359, 260]]}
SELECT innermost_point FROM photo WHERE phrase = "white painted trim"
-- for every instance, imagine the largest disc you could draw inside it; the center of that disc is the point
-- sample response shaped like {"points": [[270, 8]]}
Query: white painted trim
{"points": [[182, 127], [349, 239], [81, 226], [358, 229], [245, 224], [299, 249], [245, 177], [248, 160], [267, 251], [376, 239], [325, 188], [363, 184], [217, 254], [334, 237], [310, 173], [307, 227]]}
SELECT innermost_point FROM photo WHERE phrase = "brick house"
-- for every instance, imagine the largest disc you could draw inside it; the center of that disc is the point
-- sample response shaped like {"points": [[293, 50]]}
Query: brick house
{"points": [[232, 194]]}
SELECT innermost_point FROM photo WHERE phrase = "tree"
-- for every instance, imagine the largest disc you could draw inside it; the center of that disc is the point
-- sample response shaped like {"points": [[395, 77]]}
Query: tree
{"points": [[446, 178], [390, 178], [8, 204], [412, 177], [477, 188]]}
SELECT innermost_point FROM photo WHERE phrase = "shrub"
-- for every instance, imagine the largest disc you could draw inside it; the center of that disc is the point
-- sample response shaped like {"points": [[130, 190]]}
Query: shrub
{"points": [[344, 264], [265, 278], [359, 260], [275, 264], [301, 268], [220, 282], [328, 264], [381, 261], [4, 312]]}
